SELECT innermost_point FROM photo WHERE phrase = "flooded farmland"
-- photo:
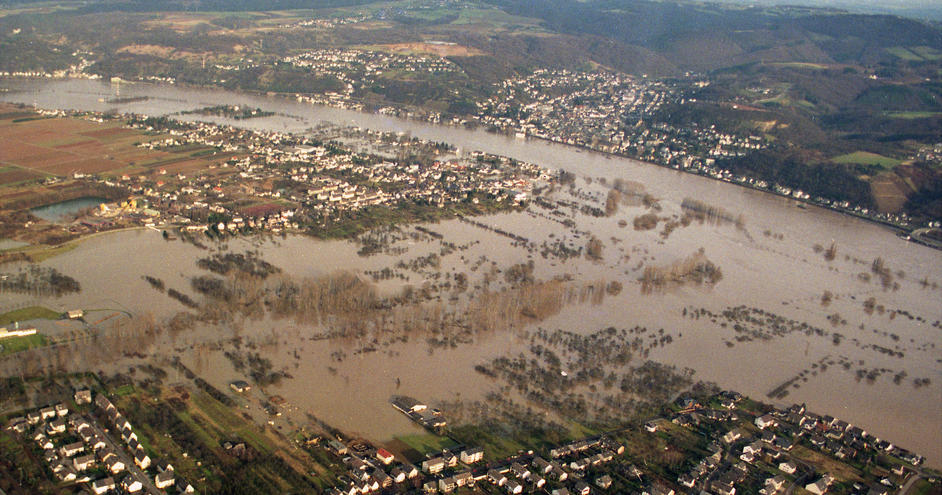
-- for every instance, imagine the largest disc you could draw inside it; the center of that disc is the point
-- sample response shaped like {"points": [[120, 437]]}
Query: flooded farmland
{"points": [[780, 303]]}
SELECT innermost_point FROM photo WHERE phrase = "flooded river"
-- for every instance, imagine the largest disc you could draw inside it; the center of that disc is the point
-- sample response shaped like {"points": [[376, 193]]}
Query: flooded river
{"points": [[771, 264]]}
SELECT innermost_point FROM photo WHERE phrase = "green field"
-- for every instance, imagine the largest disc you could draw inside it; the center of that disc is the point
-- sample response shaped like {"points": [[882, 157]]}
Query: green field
{"points": [[867, 158], [17, 344], [930, 54], [913, 115], [26, 314], [904, 54], [800, 65]]}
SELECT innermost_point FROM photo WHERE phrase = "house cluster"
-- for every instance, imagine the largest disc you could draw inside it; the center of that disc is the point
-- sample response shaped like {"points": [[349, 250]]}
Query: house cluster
{"points": [[370, 470], [358, 69], [280, 181], [737, 457], [324, 23], [608, 112], [79, 450], [566, 472]]}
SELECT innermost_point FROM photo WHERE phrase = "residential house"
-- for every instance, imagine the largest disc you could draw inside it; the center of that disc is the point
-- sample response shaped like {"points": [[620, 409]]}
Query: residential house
{"points": [[721, 487], [62, 410], [559, 473], [733, 435], [560, 491], [103, 403], [115, 464], [385, 456], [788, 467], [56, 427], [410, 471], [542, 465], [164, 479], [83, 396], [582, 488], [603, 481], [337, 447], [765, 421], [131, 485], [687, 479], [83, 462], [65, 474], [382, 478], [103, 485], [184, 487], [537, 480], [434, 465], [514, 487], [821, 485], [18, 424], [397, 475], [496, 477], [141, 459], [72, 449], [775, 483], [47, 413], [97, 443], [33, 417], [472, 455], [464, 478], [447, 485], [520, 471]]}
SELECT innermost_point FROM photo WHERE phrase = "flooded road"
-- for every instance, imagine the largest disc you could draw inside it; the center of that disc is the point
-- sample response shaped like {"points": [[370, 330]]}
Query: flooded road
{"points": [[775, 262]]}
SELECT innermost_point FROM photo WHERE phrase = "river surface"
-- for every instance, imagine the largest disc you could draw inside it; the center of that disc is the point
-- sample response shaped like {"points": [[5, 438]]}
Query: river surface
{"points": [[770, 264]]}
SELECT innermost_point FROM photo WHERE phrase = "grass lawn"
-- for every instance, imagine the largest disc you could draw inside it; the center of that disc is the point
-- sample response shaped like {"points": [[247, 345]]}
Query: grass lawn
{"points": [[40, 252], [867, 158], [26, 314], [923, 487], [425, 443], [825, 464], [17, 344], [226, 420], [496, 445]]}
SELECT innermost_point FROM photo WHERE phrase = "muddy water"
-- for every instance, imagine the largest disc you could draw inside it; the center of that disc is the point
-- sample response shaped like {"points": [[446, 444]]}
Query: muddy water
{"points": [[778, 273]]}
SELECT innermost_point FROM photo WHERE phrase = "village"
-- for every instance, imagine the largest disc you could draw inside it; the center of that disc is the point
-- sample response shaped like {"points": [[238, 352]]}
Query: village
{"points": [[730, 445]]}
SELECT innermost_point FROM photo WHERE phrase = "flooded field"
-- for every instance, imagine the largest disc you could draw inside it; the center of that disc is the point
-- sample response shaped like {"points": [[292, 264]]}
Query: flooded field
{"points": [[63, 210], [785, 304]]}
